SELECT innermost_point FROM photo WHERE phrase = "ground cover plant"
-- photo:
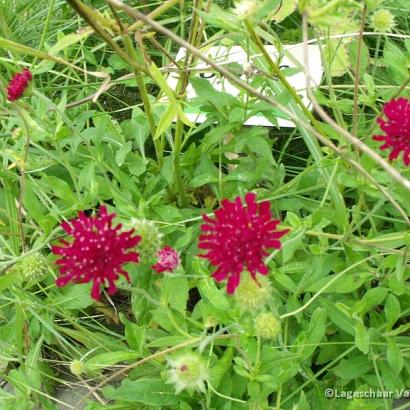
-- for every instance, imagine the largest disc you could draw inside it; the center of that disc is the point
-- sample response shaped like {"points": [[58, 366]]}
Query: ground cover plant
{"points": [[256, 258]]}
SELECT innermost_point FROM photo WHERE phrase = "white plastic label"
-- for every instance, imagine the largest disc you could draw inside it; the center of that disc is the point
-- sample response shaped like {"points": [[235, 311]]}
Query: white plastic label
{"points": [[292, 59]]}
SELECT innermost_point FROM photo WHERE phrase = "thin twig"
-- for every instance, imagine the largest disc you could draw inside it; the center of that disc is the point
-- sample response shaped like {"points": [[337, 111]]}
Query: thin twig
{"points": [[23, 180], [357, 72]]}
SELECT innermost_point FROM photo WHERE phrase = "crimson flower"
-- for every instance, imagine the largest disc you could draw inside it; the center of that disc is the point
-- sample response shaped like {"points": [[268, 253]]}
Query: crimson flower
{"points": [[97, 252], [168, 260], [238, 239], [18, 84], [396, 128]]}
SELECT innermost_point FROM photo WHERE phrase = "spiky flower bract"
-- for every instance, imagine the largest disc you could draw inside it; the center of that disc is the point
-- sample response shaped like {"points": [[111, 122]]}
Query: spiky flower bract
{"points": [[253, 294], [238, 238], [18, 84], [97, 253], [396, 128], [383, 21], [188, 371], [267, 325], [77, 367], [151, 239], [32, 267]]}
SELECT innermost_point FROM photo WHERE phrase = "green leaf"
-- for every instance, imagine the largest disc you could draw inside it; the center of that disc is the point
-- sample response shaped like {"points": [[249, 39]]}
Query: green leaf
{"points": [[345, 284], [151, 392], [389, 377], [260, 146], [166, 120], [364, 56], [395, 61], [336, 58], [205, 173], [391, 310], [217, 135], [67, 41], [175, 290], [121, 154], [206, 92], [353, 368], [32, 364], [371, 298], [362, 338], [107, 359], [162, 83], [314, 334], [394, 356], [134, 334], [216, 297], [167, 341], [74, 297], [221, 367], [60, 188], [7, 280], [303, 404], [340, 318]]}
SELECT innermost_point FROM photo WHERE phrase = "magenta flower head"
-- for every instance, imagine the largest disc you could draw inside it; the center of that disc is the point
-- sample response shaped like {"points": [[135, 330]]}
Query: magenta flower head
{"points": [[238, 238], [18, 84], [97, 252], [396, 128], [168, 260]]}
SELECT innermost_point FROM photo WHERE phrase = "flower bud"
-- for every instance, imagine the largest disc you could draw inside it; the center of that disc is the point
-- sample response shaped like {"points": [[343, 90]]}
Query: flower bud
{"points": [[210, 321], [252, 294], [188, 371], [32, 267], [245, 8], [18, 84], [383, 21], [167, 260], [267, 325], [150, 243], [77, 367]]}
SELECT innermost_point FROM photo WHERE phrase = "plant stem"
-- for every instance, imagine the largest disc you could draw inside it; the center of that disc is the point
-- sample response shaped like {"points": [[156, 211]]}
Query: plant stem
{"points": [[145, 99], [179, 129], [357, 75]]}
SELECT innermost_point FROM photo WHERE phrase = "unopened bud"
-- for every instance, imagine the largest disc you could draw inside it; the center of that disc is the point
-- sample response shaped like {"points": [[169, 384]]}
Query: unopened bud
{"points": [[77, 367], [150, 243], [383, 21], [267, 325], [252, 294]]}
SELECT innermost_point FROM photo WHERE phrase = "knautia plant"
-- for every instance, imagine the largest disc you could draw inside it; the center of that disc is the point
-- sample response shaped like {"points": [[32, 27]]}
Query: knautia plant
{"points": [[238, 238], [396, 129], [204, 204], [18, 84], [97, 252], [167, 260]]}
